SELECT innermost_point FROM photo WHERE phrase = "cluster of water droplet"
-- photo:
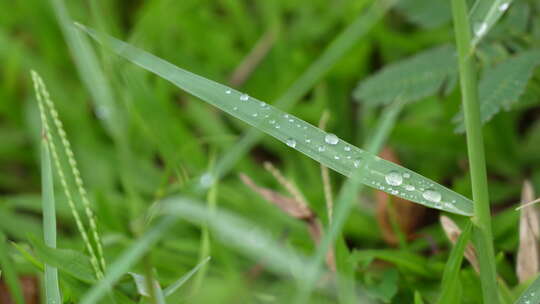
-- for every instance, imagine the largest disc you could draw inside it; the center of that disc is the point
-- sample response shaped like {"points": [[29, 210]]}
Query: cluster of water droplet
{"points": [[346, 158]]}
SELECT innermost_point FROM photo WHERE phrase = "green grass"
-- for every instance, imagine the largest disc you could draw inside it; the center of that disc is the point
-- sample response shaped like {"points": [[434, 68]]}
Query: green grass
{"points": [[132, 161], [482, 234]]}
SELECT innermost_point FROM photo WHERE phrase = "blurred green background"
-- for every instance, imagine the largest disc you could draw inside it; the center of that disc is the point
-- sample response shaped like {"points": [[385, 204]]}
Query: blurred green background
{"points": [[168, 138]]}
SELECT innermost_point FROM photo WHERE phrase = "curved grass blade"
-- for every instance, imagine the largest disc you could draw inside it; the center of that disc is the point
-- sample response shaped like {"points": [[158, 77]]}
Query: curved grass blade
{"points": [[484, 15], [323, 147], [532, 294]]}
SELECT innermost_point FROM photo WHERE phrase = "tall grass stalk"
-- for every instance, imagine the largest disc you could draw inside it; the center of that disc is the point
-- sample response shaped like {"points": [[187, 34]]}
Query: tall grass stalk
{"points": [[47, 106], [52, 291], [482, 234]]}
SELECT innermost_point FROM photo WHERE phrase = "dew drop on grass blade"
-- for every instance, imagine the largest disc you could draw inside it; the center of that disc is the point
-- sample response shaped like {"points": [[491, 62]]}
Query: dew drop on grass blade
{"points": [[532, 294], [484, 15], [326, 148]]}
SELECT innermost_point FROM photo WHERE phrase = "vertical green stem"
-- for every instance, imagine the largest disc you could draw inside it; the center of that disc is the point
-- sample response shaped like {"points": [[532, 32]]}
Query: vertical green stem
{"points": [[482, 235]]}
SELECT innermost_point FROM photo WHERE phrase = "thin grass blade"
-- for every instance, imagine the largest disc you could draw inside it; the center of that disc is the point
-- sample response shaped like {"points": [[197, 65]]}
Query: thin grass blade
{"points": [[52, 290], [450, 285], [171, 289], [323, 147]]}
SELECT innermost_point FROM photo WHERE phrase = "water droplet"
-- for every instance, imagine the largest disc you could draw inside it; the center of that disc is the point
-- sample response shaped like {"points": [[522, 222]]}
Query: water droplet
{"points": [[298, 125], [393, 178], [356, 163], [504, 6], [308, 140], [409, 187], [331, 139], [347, 148], [406, 175], [480, 28], [291, 120], [286, 115], [432, 196], [102, 112], [272, 121], [336, 157], [263, 104], [244, 97], [228, 91], [254, 114], [321, 148], [206, 180], [235, 108], [278, 126], [291, 142]]}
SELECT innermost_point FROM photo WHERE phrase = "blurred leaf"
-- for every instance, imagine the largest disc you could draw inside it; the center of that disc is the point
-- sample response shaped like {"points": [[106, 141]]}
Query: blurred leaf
{"points": [[426, 13], [411, 79], [387, 288], [9, 273], [69, 261], [502, 85]]}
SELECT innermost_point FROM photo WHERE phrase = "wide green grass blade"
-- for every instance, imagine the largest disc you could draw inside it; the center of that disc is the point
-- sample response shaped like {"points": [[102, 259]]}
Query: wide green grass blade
{"points": [[532, 294], [484, 14], [323, 147], [52, 290], [127, 259], [450, 285], [9, 274]]}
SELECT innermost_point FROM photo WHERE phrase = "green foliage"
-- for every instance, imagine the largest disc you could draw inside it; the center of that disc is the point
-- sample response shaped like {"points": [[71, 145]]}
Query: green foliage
{"points": [[411, 79], [69, 261], [426, 13], [451, 285], [502, 85], [9, 274]]}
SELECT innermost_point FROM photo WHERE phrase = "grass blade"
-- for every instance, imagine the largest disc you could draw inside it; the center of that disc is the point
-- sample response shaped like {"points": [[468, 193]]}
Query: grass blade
{"points": [[482, 234], [8, 271], [47, 107], [450, 285], [171, 289], [484, 15], [532, 294], [323, 147], [52, 291], [127, 259]]}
